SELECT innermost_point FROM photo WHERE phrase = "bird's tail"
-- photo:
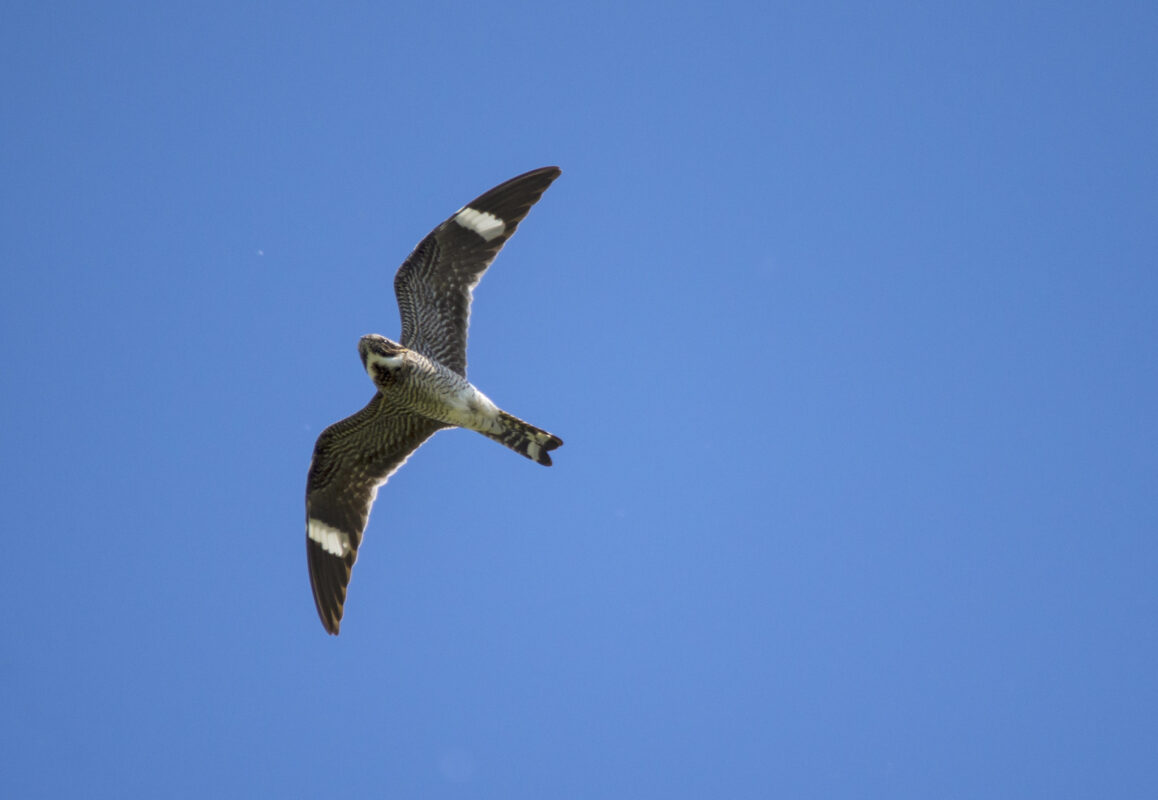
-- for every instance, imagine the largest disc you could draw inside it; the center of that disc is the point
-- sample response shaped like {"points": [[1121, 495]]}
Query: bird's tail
{"points": [[524, 438]]}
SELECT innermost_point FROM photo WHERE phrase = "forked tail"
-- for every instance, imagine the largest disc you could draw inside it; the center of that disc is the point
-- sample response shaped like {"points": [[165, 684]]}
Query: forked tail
{"points": [[525, 439]]}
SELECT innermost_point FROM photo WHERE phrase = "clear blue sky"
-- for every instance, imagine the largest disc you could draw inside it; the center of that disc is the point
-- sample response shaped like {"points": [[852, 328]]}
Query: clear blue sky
{"points": [[846, 314]]}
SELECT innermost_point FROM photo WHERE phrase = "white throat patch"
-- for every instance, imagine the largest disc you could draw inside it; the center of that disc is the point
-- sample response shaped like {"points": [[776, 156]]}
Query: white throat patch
{"points": [[390, 362]]}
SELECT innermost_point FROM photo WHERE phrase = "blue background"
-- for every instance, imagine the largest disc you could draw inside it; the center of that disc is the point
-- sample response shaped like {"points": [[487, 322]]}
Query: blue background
{"points": [[845, 312]]}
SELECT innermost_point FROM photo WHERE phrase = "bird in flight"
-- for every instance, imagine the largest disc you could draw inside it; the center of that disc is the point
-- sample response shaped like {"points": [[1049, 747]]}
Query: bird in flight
{"points": [[421, 385]]}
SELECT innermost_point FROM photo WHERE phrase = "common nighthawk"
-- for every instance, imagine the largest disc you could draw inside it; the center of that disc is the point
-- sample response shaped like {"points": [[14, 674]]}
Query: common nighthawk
{"points": [[422, 385]]}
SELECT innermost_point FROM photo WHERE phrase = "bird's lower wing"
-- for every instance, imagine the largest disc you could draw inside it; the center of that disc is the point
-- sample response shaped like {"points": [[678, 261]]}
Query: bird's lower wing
{"points": [[352, 458]]}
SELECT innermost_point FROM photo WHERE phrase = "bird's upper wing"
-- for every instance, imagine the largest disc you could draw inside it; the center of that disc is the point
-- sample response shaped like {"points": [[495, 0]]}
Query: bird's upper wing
{"points": [[434, 284], [352, 458]]}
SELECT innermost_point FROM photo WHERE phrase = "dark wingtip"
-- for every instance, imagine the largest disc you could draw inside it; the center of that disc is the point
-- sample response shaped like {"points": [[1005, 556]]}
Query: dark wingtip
{"points": [[553, 171], [511, 200], [329, 577], [331, 623]]}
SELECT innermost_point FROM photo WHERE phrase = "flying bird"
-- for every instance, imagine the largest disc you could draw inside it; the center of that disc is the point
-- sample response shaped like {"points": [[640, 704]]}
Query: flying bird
{"points": [[421, 385]]}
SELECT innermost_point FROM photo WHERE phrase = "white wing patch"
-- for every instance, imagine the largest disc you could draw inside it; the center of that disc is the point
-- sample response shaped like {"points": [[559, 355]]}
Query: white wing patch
{"points": [[332, 540], [486, 225]]}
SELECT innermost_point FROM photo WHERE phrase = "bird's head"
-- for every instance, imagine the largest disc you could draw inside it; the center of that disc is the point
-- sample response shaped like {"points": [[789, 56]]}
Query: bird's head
{"points": [[381, 357]]}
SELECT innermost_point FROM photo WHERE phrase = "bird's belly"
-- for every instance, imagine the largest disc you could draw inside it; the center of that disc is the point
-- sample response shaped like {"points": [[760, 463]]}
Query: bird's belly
{"points": [[471, 408], [452, 400]]}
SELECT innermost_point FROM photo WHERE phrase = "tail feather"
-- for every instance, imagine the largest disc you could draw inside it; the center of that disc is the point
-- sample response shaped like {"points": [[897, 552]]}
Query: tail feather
{"points": [[525, 439]]}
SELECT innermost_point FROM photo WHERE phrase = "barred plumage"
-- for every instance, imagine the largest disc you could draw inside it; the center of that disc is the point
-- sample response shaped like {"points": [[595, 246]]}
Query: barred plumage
{"points": [[421, 385]]}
